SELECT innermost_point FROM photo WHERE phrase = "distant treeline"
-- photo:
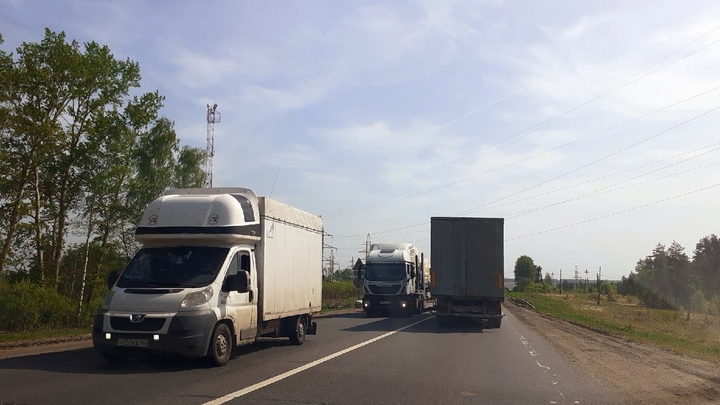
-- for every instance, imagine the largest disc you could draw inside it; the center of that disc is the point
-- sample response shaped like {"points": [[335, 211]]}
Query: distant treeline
{"points": [[667, 279]]}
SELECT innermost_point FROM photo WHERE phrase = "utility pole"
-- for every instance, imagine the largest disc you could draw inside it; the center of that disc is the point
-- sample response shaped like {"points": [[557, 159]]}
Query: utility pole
{"points": [[576, 284], [586, 280], [598, 284], [368, 243], [330, 261], [213, 116], [560, 281]]}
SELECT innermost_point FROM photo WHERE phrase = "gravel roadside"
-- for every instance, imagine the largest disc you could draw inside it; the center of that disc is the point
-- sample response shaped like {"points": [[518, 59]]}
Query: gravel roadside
{"points": [[647, 375]]}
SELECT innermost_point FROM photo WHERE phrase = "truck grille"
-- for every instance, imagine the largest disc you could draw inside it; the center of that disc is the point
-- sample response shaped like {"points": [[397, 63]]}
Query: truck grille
{"points": [[146, 325], [384, 290]]}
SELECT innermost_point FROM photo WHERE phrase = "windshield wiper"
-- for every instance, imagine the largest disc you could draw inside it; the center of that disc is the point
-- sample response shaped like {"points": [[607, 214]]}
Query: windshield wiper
{"points": [[153, 285], [191, 285]]}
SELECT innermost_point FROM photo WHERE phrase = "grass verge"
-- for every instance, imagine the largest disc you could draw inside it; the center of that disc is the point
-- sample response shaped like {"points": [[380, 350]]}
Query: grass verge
{"points": [[667, 329], [6, 337]]}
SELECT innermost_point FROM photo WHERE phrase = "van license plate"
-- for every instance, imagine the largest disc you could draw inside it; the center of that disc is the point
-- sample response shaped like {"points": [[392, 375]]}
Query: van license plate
{"points": [[133, 342]]}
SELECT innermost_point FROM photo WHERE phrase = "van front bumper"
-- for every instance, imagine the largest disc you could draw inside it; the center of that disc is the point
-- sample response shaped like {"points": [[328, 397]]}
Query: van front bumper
{"points": [[188, 334]]}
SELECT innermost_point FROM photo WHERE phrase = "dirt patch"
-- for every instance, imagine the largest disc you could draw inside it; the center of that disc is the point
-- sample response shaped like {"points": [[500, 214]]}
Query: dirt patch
{"points": [[647, 375]]}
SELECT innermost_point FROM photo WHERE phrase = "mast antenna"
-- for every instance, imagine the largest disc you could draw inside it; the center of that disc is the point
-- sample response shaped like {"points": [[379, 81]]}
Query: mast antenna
{"points": [[213, 116]]}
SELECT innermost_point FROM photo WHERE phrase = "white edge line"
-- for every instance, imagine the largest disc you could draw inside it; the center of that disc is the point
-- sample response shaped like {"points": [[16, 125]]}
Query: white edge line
{"points": [[257, 386]]}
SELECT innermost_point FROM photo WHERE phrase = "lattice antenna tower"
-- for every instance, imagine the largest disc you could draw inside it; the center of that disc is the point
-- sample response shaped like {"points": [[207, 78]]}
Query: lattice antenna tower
{"points": [[367, 247], [213, 116]]}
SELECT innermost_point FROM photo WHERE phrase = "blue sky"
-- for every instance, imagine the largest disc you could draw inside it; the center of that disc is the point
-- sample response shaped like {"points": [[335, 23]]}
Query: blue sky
{"points": [[590, 126]]}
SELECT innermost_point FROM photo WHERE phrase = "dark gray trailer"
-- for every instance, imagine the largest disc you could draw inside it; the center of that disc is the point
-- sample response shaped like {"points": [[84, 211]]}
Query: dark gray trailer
{"points": [[467, 273]]}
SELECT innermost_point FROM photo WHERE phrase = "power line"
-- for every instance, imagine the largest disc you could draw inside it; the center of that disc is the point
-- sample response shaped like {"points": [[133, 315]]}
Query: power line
{"points": [[556, 148], [605, 191], [532, 129], [489, 206], [614, 213], [633, 79]]}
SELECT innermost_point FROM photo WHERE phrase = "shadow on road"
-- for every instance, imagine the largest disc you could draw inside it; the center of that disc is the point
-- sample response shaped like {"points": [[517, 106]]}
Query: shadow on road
{"points": [[428, 325], [88, 361]]}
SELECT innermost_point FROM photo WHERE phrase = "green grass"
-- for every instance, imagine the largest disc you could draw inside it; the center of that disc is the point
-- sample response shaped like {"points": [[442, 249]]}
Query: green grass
{"points": [[6, 337], [337, 304], [667, 329]]}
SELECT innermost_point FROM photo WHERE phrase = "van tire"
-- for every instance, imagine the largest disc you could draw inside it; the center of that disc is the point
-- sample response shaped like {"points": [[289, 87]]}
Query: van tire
{"points": [[221, 345], [298, 330]]}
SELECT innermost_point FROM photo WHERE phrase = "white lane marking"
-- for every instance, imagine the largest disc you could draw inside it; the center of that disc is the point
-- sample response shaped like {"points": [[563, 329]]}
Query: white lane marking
{"points": [[529, 348], [244, 391]]}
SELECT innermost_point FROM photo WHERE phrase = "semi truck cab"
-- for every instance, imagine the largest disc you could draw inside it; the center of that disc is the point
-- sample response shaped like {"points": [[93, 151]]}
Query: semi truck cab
{"points": [[393, 280]]}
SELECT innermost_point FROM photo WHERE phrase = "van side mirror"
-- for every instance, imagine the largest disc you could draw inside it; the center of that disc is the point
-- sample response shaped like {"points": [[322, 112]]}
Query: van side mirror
{"points": [[112, 278], [239, 282]]}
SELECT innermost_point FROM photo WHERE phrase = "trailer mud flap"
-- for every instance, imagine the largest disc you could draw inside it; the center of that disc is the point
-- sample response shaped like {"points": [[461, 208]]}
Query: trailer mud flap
{"points": [[312, 328]]}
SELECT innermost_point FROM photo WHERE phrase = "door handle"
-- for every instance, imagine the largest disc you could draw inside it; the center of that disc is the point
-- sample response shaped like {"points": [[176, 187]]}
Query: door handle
{"points": [[250, 296]]}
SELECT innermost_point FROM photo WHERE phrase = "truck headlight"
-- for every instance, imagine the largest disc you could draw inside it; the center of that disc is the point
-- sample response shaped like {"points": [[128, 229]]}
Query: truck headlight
{"points": [[196, 298]]}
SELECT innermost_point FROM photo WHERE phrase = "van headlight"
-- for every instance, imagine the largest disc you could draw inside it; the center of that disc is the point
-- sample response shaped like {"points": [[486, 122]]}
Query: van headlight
{"points": [[196, 298]]}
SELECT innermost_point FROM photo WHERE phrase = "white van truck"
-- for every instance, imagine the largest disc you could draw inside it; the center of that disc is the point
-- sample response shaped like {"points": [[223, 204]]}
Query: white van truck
{"points": [[218, 268]]}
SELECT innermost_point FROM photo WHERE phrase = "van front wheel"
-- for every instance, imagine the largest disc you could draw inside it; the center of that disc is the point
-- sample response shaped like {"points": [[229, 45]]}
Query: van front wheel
{"points": [[297, 337], [221, 345]]}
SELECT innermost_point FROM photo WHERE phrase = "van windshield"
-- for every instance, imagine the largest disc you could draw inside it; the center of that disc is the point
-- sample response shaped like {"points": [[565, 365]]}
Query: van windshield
{"points": [[385, 272], [190, 266]]}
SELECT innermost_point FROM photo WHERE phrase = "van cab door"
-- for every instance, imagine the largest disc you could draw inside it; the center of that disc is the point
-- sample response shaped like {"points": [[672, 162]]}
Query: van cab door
{"points": [[241, 307]]}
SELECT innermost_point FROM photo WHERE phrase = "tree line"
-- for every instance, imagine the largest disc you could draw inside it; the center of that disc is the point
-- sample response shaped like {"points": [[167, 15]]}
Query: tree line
{"points": [[82, 151], [667, 278]]}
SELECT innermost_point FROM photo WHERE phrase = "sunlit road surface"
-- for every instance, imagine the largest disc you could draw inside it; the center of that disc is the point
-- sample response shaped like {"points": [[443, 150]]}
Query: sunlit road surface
{"points": [[352, 360]]}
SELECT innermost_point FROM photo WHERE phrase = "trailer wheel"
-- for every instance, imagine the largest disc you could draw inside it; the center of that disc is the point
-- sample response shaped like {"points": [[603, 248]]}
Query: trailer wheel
{"points": [[115, 358], [221, 345], [297, 337]]}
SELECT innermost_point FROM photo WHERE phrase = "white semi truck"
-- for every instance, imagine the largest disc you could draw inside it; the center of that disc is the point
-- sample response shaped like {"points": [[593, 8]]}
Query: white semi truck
{"points": [[395, 280], [218, 268]]}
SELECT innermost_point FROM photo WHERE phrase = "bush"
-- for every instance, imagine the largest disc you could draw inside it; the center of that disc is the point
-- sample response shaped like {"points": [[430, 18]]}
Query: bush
{"points": [[607, 288], [340, 290], [526, 285], [28, 307], [522, 284], [713, 306]]}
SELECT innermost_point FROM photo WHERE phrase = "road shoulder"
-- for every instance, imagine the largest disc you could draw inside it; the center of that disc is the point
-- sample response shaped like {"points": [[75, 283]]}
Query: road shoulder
{"points": [[647, 375]]}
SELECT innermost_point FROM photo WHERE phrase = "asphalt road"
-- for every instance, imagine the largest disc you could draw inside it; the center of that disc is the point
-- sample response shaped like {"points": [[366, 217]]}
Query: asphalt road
{"points": [[352, 360]]}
